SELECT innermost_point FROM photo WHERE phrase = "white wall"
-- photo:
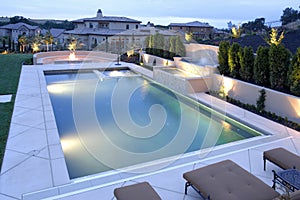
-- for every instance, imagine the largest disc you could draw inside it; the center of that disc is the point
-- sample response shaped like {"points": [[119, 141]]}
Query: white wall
{"points": [[280, 103]]}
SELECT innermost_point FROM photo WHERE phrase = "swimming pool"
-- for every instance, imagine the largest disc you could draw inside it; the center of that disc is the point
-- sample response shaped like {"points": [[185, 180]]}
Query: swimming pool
{"points": [[110, 122]]}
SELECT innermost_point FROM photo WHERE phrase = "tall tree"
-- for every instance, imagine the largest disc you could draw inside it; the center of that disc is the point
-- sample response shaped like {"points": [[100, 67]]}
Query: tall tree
{"points": [[279, 66], [23, 40], [172, 49], [223, 58], [234, 60], [254, 26], [48, 39], [294, 78], [236, 31], [247, 64], [261, 67], [274, 39], [289, 15], [179, 48]]}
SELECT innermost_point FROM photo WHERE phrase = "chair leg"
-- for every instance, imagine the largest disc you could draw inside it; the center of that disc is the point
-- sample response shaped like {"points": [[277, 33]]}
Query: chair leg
{"points": [[187, 184]]}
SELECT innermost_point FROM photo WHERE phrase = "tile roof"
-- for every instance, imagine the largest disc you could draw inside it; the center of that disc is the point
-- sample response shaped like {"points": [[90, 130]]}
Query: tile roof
{"points": [[18, 25], [55, 32], [111, 32], [94, 31], [107, 19], [192, 24]]}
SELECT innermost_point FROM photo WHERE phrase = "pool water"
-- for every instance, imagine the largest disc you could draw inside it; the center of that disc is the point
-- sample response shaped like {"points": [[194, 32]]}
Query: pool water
{"points": [[123, 121]]}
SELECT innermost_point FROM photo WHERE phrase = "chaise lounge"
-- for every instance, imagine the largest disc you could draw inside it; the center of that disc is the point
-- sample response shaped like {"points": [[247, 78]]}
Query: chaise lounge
{"points": [[282, 158], [226, 180], [138, 191]]}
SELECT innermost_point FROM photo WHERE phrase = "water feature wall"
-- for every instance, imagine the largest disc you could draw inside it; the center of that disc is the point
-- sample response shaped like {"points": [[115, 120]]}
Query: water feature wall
{"points": [[181, 84], [81, 56]]}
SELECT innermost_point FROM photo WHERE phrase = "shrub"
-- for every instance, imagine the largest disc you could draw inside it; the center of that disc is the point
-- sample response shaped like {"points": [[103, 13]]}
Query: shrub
{"points": [[234, 55], [223, 58], [279, 66], [261, 67], [294, 78], [247, 64]]}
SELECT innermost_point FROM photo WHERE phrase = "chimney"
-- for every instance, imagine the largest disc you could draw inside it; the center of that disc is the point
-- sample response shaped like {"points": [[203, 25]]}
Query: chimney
{"points": [[99, 13]]}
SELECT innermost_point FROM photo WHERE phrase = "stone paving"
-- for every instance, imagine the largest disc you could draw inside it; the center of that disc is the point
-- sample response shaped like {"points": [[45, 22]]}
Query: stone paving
{"points": [[34, 165]]}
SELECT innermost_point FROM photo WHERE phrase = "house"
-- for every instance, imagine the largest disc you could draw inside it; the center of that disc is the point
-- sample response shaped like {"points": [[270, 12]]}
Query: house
{"points": [[95, 30], [13, 31], [199, 30], [132, 39]]}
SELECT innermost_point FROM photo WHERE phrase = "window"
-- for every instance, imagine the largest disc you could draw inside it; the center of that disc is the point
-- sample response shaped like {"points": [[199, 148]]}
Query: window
{"points": [[91, 25], [136, 26], [127, 26]]}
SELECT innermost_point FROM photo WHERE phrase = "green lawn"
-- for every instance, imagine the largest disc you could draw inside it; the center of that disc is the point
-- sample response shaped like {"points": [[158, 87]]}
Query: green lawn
{"points": [[10, 68]]}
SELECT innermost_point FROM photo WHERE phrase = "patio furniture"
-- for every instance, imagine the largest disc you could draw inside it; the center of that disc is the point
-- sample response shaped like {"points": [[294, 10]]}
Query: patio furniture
{"points": [[138, 191], [282, 158], [226, 180], [289, 178]]}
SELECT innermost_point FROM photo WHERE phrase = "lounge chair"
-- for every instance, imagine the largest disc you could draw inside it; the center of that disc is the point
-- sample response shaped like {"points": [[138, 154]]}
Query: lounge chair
{"points": [[226, 180], [138, 191], [282, 158]]}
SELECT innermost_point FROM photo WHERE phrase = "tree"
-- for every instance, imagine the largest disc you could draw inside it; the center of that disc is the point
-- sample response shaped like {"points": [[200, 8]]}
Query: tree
{"points": [[179, 47], [159, 43], [234, 60], [254, 26], [236, 31], [247, 64], [35, 42], [274, 39], [260, 103], [223, 58], [279, 62], [172, 49], [188, 36], [48, 39], [23, 40], [289, 15], [294, 78], [261, 67]]}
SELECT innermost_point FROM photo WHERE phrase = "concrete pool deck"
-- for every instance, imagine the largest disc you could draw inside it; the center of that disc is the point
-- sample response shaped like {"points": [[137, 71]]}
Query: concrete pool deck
{"points": [[34, 165]]}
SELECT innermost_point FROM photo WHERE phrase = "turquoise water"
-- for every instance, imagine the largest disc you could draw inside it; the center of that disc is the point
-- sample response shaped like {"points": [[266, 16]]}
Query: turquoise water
{"points": [[122, 121]]}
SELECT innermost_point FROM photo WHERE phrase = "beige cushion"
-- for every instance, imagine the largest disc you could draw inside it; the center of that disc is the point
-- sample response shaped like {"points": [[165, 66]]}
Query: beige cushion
{"points": [[139, 191], [295, 195], [283, 158], [228, 181]]}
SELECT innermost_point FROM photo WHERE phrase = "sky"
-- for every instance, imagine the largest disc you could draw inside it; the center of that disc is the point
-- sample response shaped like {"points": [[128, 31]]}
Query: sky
{"points": [[160, 12]]}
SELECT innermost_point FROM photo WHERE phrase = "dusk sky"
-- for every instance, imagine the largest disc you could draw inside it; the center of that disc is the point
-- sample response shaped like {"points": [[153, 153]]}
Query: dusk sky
{"points": [[163, 12]]}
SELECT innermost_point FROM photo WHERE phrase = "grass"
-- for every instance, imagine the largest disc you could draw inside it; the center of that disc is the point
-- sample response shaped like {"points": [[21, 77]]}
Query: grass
{"points": [[10, 69]]}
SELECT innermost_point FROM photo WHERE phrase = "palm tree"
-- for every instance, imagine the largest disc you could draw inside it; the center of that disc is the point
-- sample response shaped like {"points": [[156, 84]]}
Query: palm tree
{"points": [[48, 39], [23, 40], [36, 43]]}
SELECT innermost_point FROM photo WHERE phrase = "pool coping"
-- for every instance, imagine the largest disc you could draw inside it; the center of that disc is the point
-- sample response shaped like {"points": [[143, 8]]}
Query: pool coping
{"points": [[60, 182]]}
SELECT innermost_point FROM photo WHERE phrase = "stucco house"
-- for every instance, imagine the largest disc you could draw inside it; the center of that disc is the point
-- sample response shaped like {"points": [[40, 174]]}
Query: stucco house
{"points": [[13, 31], [199, 30], [95, 30]]}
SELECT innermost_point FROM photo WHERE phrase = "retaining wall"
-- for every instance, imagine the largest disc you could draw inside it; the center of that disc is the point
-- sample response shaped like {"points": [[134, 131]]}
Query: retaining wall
{"points": [[282, 104]]}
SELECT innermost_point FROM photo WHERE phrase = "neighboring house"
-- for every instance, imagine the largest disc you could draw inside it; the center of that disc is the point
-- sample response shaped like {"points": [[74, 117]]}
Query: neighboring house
{"points": [[132, 39], [13, 31], [95, 30], [199, 30]]}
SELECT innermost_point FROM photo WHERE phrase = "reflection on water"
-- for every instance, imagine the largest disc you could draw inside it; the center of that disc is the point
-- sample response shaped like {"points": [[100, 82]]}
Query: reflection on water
{"points": [[150, 120]]}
